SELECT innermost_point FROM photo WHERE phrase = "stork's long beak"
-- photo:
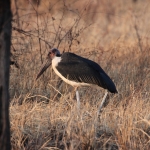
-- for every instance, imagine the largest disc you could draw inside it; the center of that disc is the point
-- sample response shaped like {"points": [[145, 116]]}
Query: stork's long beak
{"points": [[44, 67]]}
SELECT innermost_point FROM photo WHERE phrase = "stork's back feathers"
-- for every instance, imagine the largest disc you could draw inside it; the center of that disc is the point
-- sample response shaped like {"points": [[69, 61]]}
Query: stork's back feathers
{"points": [[82, 70]]}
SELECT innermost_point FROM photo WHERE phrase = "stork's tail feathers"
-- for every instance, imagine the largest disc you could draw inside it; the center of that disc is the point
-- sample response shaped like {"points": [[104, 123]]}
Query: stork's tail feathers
{"points": [[109, 83]]}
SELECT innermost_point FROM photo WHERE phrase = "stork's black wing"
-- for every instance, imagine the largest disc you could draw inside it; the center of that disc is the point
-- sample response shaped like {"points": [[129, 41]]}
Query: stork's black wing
{"points": [[79, 69]]}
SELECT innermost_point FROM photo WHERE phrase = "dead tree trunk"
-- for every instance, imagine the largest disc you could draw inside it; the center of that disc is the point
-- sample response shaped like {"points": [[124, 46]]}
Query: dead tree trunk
{"points": [[5, 37]]}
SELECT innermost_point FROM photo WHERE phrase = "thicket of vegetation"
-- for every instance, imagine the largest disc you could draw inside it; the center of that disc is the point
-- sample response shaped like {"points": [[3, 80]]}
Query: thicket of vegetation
{"points": [[43, 113]]}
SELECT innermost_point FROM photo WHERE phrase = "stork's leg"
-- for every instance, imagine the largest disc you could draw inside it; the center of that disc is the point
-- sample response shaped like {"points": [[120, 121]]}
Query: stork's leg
{"points": [[103, 100], [78, 99], [99, 109]]}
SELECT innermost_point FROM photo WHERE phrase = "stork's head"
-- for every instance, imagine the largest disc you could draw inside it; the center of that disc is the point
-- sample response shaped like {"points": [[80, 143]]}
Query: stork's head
{"points": [[51, 54]]}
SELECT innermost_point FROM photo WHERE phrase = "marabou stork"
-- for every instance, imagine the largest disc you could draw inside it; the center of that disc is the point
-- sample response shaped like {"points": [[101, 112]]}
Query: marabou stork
{"points": [[78, 71]]}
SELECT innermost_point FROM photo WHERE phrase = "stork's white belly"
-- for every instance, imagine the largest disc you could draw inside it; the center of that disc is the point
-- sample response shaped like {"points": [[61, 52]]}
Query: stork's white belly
{"points": [[55, 63]]}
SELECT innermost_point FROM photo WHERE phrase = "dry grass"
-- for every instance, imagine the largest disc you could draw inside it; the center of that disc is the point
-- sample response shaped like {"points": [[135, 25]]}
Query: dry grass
{"points": [[43, 114]]}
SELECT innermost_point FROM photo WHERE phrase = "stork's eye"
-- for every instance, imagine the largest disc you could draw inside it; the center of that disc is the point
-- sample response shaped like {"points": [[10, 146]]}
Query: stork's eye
{"points": [[49, 53]]}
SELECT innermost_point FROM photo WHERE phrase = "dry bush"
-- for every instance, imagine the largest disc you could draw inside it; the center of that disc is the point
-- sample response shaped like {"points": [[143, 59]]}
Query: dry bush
{"points": [[43, 113]]}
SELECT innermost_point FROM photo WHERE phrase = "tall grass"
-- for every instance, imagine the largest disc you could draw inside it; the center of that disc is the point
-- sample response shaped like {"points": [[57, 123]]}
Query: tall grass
{"points": [[44, 113]]}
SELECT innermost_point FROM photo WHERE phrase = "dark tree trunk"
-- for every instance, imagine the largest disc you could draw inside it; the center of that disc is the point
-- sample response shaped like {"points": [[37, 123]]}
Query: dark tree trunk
{"points": [[5, 37]]}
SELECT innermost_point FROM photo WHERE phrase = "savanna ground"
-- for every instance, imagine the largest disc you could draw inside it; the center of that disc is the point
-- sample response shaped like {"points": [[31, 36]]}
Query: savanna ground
{"points": [[116, 35]]}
